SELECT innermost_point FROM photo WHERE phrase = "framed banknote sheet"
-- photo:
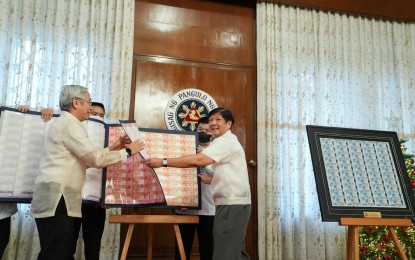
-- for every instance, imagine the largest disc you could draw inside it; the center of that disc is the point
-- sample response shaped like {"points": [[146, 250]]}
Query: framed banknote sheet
{"points": [[359, 173]]}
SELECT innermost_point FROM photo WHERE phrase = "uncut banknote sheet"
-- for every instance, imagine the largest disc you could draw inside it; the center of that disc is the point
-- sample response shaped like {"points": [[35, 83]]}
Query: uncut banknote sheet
{"points": [[134, 183], [21, 140]]}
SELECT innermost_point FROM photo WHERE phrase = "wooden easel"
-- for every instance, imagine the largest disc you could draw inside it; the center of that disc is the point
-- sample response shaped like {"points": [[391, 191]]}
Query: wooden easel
{"points": [[131, 220], [353, 233]]}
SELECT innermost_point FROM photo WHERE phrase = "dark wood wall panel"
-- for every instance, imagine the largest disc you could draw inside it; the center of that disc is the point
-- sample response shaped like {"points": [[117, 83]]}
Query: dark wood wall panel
{"points": [[195, 30]]}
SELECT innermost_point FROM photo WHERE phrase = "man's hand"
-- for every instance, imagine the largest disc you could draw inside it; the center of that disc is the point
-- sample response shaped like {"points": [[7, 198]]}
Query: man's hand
{"points": [[46, 114], [136, 146], [205, 178], [154, 162], [23, 108], [199, 149], [120, 143]]}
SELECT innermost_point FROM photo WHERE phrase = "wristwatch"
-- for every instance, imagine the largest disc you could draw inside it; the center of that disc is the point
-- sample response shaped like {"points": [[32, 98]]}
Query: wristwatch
{"points": [[164, 162], [128, 150]]}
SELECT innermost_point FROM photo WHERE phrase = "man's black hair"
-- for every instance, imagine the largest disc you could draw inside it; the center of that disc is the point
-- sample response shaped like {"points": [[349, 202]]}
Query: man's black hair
{"points": [[224, 112], [98, 105], [203, 120]]}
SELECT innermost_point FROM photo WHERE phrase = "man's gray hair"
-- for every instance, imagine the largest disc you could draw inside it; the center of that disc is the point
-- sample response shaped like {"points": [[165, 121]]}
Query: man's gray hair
{"points": [[69, 92]]}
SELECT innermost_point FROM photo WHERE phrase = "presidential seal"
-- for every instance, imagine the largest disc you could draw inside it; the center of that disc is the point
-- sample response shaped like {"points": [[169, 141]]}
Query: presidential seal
{"points": [[186, 107]]}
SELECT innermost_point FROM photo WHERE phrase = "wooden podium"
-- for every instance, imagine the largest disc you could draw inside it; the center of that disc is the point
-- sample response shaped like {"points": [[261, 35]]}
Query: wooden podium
{"points": [[131, 220], [353, 233]]}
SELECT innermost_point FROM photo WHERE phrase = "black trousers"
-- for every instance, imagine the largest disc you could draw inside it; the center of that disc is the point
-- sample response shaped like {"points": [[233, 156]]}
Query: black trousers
{"points": [[93, 222], [57, 234], [4, 234], [204, 234]]}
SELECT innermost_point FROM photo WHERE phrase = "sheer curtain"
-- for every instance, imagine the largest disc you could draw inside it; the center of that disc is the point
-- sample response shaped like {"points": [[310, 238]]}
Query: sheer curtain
{"points": [[46, 44], [328, 69]]}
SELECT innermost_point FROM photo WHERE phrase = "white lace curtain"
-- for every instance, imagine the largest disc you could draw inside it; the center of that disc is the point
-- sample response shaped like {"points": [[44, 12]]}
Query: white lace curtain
{"points": [[328, 69], [46, 44]]}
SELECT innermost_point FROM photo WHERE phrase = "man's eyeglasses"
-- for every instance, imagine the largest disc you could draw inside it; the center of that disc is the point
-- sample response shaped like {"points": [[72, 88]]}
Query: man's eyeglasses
{"points": [[90, 102]]}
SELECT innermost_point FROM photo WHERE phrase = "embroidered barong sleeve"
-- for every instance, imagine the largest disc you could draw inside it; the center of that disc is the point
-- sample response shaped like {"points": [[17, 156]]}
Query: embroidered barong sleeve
{"points": [[77, 142]]}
